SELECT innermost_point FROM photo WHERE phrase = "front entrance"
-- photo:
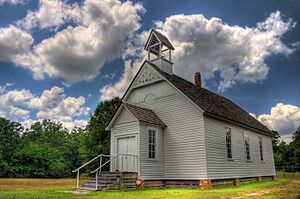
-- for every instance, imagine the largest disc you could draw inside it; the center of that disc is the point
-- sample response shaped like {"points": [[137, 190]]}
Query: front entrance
{"points": [[127, 147]]}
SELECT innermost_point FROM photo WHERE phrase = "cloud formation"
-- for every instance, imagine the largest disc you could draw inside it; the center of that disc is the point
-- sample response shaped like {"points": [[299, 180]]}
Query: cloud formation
{"points": [[51, 104], [75, 53], [213, 47], [284, 118], [13, 2], [237, 54]]}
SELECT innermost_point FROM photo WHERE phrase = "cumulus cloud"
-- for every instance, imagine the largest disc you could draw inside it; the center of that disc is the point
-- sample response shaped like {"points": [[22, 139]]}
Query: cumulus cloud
{"points": [[14, 43], [51, 13], [237, 53], [13, 2], [12, 103], [213, 47], [51, 104], [77, 52], [284, 118]]}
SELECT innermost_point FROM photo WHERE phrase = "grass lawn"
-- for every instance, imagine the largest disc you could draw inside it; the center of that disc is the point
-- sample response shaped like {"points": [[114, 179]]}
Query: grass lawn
{"points": [[288, 187]]}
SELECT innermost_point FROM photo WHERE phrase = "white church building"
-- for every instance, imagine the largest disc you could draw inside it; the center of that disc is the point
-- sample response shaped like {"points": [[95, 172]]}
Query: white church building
{"points": [[170, 131]]}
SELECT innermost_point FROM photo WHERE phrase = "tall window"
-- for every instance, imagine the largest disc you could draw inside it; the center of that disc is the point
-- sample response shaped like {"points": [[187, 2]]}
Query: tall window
{"points": [[261, 148], [152, 143], [228, 143], [247, 145]]}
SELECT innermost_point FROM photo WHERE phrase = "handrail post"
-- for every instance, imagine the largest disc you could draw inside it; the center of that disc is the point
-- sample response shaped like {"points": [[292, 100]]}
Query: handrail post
{"points": [[96, 180], [122, 159], [77, 183], [100, 163]]}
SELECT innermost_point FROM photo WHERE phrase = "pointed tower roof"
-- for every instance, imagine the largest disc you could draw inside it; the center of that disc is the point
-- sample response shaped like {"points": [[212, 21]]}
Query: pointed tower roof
{"points": [[156, 37]]}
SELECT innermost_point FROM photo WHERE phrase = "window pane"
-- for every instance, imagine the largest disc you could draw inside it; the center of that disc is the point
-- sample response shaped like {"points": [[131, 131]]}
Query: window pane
{"points": [[151, 143], [228, 143], [247, 146]]}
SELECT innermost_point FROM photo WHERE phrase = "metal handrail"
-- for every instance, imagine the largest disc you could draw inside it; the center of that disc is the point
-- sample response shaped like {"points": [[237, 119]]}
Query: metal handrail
{"points": [[101, 165], [90, 161], [114, 157]]}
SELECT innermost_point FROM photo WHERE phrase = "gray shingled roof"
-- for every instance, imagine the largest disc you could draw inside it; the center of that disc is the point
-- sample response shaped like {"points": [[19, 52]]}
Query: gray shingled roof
{"points": [[211, 103], [144, 115]]}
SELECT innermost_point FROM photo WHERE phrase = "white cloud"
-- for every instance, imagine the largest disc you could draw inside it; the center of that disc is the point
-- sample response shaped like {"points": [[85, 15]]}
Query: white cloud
{"points": [[284, 118], [12, 104], [118, 89], [13, 2], [14, 43], [77, 52], [237, 53], [51, 13], [51, 104]]}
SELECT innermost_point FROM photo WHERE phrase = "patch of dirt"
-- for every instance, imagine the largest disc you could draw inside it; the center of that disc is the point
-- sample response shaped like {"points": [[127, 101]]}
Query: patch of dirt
{"points": [[77, 192], [254, 194]]}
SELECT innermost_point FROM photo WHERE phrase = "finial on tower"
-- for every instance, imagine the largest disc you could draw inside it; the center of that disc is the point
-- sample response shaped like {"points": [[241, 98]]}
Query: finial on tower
{"points": [[161, 48]]}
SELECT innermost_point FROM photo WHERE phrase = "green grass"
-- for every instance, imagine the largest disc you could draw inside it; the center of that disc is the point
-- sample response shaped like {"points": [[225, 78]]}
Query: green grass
{"points": [[288, 187]]}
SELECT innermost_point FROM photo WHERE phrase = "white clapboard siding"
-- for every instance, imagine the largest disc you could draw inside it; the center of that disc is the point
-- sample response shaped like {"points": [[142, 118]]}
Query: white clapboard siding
{"points": [[218, 164], [125, 117], [151, 169], [184, 145], [122, 130]]}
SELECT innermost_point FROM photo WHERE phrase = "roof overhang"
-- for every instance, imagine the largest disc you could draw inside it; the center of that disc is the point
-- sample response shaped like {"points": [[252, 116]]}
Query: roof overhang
{"points": [[238, 124]]}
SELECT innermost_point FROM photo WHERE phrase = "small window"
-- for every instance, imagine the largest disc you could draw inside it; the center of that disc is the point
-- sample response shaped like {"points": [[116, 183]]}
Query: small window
{"points": [[247, 146], [228, 143], [261, 148], [152, 143]]}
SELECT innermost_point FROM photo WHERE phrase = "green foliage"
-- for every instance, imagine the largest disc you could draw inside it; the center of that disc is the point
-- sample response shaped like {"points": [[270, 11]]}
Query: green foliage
{"points": [[9, 140], [98, 139], [39, 160]]}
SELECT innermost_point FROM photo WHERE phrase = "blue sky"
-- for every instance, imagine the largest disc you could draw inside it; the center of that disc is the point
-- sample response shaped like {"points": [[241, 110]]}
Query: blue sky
{"points": [[59, 59]]}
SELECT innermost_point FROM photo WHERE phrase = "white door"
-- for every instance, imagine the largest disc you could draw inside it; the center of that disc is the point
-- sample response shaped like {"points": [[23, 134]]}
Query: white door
{"points": [[128, 147]]}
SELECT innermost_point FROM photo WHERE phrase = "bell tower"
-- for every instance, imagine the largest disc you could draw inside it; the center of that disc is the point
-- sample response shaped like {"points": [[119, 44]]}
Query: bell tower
{"points": [[159, 50]]}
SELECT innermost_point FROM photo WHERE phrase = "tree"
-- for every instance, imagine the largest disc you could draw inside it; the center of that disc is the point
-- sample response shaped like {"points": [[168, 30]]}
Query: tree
{"points": [[98, 139], [295, 145], [9, 140], [39, 160]]}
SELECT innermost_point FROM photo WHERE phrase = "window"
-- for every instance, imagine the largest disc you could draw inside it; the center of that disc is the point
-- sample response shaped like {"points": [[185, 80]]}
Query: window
{"points": [[151, 143], [228, 143], [247, 145], [260, 148]]}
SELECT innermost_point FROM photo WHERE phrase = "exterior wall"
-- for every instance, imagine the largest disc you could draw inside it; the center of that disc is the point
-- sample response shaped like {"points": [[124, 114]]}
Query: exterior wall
{"points": [[122, 130], [184, 143], [151, 169], [220, 167]]}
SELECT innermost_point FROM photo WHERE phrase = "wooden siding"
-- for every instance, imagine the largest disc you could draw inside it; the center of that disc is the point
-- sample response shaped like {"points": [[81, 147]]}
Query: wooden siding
{"points": [[184, 146], [220, 167], [123, 130], [151, 169], [125, 117]]}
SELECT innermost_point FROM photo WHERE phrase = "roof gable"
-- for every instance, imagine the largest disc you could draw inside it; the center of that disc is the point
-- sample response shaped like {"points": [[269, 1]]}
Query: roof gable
{"points": [[144, 115]]}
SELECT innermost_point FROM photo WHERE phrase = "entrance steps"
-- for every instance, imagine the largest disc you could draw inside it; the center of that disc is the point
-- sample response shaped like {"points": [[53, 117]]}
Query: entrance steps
{"points": [[111, 181]]}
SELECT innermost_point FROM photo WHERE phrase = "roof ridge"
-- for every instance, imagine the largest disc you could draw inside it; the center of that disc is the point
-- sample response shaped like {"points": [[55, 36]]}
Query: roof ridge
{"points": [[213, 103]]}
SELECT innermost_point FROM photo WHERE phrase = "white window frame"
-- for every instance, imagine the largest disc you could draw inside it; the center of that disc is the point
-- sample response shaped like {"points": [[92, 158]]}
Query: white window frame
{"points": [[261, 148], [155, 143], [246, 136], [226, 144]]}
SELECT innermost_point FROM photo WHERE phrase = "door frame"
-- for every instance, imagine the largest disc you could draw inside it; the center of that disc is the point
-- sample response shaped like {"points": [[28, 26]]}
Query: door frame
{"points": [[136, 136]]}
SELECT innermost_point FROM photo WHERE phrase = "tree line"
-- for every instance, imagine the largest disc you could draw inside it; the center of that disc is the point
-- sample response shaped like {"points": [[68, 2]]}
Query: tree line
{"points": [[48, 150]]}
